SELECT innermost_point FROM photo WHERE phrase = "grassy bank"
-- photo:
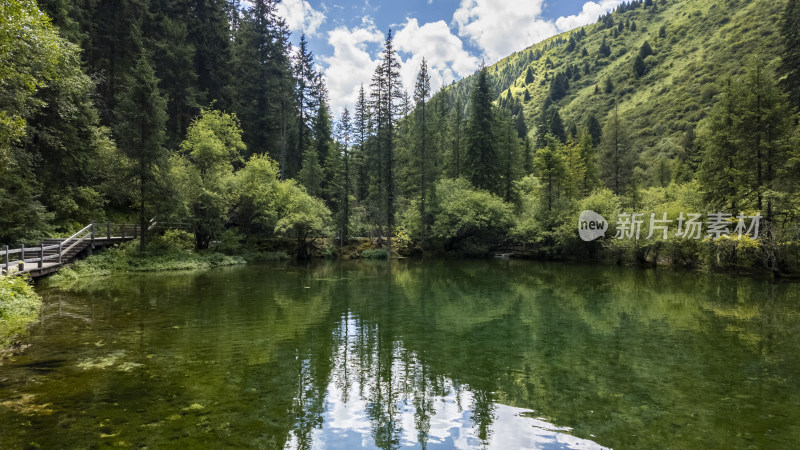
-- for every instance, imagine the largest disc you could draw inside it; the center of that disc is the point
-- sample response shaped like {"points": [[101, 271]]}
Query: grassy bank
{"points": [[19, 305], [168, 252]]}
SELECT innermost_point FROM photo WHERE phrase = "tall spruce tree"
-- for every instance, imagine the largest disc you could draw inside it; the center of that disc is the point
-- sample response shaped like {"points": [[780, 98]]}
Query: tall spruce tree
{"points": [[422, 91], [262, 81], [361, 132], [616, 154], [306, 98], [480, 161], [387, 93], [141, 130], [790, 57]]}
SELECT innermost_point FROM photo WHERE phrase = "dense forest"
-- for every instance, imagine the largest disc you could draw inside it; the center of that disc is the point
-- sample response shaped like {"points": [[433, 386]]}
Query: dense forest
{"points": [[202, 112]]}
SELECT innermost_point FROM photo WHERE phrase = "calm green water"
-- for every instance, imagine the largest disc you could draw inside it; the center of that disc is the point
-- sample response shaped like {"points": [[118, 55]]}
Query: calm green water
{"points": [[458, 354]]}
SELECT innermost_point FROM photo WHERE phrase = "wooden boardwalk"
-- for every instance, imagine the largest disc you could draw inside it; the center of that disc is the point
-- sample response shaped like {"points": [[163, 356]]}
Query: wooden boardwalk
{"points": [[52, 254]]}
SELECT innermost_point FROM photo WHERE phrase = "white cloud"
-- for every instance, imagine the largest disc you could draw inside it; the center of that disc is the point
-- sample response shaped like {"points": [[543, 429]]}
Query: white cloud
{"points": [[444, 52], [351, 63], [500, 27], [497, 27], [589, 14], [301, 16]]}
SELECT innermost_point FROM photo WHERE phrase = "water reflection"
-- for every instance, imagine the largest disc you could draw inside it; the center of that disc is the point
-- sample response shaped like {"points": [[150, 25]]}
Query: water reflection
{"points": [[476, 354], [419, 411]]}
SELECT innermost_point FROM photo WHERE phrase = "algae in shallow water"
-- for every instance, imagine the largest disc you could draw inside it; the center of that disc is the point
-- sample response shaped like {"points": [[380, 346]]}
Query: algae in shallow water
{"points": [[111, 361]]}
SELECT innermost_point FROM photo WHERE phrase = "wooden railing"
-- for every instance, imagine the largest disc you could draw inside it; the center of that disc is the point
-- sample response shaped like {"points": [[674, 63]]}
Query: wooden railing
{"points": [[54, 251]]}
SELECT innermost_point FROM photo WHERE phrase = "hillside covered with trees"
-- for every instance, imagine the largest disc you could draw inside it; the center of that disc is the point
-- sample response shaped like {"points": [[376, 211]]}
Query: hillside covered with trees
{"points": [[202, 112]]}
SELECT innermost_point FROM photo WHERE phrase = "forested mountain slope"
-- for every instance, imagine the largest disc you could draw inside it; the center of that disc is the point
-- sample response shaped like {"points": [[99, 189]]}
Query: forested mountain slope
{"points": [[694, 45]]}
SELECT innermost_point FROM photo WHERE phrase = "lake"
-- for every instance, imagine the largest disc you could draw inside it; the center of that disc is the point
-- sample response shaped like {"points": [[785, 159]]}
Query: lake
{"points": [[422, 354]]}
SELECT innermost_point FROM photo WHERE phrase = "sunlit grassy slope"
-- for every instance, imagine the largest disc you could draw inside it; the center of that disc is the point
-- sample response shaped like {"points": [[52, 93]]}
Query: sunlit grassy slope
{"points": [[696, 45]]}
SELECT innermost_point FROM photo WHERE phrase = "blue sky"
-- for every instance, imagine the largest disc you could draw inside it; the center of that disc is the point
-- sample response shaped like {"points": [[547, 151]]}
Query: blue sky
{"points": [[346, 37]]}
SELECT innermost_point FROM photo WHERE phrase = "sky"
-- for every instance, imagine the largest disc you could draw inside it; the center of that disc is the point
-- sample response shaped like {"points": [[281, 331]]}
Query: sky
{"points": [[454, 36]]}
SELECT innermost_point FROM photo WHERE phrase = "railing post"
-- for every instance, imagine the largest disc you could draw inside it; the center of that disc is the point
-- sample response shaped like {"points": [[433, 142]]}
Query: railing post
{"points": [[92, 231], [41, 254], [21, 265], [108, 231], [59, 251], [7, 258]]}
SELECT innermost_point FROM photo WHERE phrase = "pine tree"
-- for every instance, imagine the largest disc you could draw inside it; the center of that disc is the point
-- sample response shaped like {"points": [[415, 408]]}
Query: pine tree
{"points": [[594, 129], [645, 50], [480, 161], [344, 131], [322, 149], [422, 90], [362, 120], [386, 94], [455, 161], [311, 175], [616, 154], [306, 100], [559, 86], [609, 88], [209, 33], [262, 83], [589, 157], [604, 51], [766, 128], [174, 64], [529, 76], [790, 57], [549, 165], [639, 67], [140, 131]]}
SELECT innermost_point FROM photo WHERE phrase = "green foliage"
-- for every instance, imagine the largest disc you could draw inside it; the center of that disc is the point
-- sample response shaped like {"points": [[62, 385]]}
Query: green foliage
{"points": [[639, 67], [465, 212], [53, 153], [172, 241], [374, 253], [790, 56], [480, 162], [616, 155], [129, 258], [141, 126], [203, 173], [300, 216], [19, 306], [746, 143]]}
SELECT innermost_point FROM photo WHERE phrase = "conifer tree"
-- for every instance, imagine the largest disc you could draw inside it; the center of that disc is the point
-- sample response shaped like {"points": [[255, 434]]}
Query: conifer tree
{"points": [[616, 154], [422, 90], [790, 57], [386, 95], [306, 99], [140, 131], [480, 161]]}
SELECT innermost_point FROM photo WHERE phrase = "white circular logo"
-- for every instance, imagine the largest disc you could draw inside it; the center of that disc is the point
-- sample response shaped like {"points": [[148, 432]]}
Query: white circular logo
{"points": [[591, 225]]}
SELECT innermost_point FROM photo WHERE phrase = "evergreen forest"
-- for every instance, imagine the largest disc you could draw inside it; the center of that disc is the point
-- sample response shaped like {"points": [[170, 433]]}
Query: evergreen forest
{"points": [[202, 113]]}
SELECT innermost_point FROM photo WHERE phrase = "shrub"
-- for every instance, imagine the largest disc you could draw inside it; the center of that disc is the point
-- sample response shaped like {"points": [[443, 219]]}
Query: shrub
{"points": [[376, 253], [19, 305]]}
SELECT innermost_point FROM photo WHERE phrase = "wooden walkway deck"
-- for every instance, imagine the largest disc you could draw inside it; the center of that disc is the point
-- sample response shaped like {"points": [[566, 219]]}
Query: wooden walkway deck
{"points": [[52, 254]]}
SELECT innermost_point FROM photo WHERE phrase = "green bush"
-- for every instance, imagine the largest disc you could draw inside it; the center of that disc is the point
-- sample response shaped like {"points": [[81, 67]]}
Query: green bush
{"points": [[172, 241], [465, 212], [19, 305], [129, 259], [375, 253]]}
